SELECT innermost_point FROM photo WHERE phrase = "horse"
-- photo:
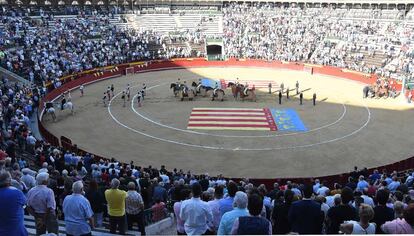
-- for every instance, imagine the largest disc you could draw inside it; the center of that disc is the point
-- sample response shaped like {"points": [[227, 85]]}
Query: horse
{"points": [[69, 106], [219, 94], [186, 92], [52, 112], [205, 91], [176, 88], [235, 89], [239, 89], [250, 94]]}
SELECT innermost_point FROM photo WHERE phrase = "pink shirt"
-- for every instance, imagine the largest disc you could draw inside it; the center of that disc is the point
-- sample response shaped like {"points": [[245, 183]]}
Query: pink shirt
{"points": [[397, 226]]}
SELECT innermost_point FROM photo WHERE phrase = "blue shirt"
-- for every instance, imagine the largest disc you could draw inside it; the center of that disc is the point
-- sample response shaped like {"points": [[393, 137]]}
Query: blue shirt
{"points": [[227, 220], [159, 193], [68, 158], [77, 210], [226, 204], [362, 184], [393, 186], [11, 214]]}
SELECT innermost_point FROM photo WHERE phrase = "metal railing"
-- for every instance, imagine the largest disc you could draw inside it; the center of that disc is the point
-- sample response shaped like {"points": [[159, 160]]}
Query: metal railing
{"points": [[10, 75], [153, 216]]}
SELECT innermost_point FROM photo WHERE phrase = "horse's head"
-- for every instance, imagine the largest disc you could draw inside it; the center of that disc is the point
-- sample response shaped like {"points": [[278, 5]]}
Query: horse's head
{"points": [[194, 84], [173, 85], [230, 84]]}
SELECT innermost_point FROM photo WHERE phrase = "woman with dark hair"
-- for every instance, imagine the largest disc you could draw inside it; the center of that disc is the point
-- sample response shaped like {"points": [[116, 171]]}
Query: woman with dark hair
{"points": [[401, 226], [280, 214], [82, 172], [97, 200], [253, 224]]}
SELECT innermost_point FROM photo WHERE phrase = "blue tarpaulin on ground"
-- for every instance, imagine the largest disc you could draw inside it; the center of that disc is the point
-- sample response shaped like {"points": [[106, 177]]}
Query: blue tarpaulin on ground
{"points": [[210, 83]]}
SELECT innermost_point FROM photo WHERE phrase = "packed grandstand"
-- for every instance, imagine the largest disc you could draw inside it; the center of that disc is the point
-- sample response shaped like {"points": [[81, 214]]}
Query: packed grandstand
{"points": [[47, 188]]}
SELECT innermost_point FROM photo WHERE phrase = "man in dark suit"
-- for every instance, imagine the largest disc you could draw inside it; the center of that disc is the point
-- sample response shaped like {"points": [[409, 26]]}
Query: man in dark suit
{"points": [[314, 99], [301, 98], [297, 87], [280, 97], [287, 93], [305, 216]]}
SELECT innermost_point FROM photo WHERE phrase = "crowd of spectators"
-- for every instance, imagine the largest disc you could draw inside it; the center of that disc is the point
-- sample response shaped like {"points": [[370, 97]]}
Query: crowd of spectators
{"points": [[57, 184], [46, 48], [324, 36], [84, 192]]}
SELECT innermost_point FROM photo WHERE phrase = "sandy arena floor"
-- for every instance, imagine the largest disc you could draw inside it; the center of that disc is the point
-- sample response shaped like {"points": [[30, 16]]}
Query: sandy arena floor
{"points": [[344, 130]]}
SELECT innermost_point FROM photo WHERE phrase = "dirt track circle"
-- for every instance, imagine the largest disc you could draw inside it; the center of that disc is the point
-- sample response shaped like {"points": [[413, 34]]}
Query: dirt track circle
{"points": [[247, 137], [343, 129]]}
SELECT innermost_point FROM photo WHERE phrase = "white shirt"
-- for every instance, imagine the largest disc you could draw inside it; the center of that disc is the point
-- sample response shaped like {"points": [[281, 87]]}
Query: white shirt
{"points": [[195, 214], [215, 210], [322, 191], [357, 229], [324, 208], [368, 200]]}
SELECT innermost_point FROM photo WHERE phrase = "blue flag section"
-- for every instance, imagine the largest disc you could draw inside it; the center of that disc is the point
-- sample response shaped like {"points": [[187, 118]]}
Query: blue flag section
{"points": [[210, 83], [288, 120]]}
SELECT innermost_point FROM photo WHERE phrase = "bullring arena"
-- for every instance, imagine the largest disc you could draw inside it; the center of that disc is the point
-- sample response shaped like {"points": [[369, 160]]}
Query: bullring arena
{"points": [[342, 130]]}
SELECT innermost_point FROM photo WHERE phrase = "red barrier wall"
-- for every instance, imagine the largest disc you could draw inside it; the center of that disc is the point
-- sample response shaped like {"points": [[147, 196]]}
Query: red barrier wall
{"points": [[74, 81]]}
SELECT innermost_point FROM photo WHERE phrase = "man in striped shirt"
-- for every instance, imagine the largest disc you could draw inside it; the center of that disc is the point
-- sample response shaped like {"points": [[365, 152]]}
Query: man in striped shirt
{"points": [[134, 206]]}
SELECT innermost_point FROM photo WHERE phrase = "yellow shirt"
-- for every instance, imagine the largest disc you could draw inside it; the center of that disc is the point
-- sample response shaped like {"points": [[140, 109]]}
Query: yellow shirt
{"points": [[116, 202]]}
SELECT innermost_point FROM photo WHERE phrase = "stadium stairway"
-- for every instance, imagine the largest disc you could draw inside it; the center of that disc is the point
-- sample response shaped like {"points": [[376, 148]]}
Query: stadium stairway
{"points": [[189, 21], [159, 22], [212, 26], [163, 227]]}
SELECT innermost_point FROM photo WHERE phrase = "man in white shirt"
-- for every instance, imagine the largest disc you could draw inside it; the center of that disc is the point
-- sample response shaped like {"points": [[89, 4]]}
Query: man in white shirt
{"points": [[316, 186], [367, 199], [322, 189], [195, 213]]}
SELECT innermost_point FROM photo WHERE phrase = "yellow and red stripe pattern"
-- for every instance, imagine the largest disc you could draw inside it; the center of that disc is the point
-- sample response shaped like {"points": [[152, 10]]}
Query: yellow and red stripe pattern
{"points": [[232, 119]]}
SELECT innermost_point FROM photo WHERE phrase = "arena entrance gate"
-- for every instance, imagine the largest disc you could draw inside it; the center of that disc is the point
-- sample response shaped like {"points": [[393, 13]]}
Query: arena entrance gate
{"points": [[214, 49]]}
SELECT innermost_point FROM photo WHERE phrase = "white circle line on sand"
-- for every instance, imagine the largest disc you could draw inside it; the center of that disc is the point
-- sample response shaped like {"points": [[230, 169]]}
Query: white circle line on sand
{"points": [[234, 149], [238, 136]]}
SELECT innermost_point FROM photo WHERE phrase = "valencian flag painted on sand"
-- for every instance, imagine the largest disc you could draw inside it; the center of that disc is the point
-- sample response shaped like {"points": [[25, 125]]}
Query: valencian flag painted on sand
{"points": [[231, 119], [260, 119]]}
